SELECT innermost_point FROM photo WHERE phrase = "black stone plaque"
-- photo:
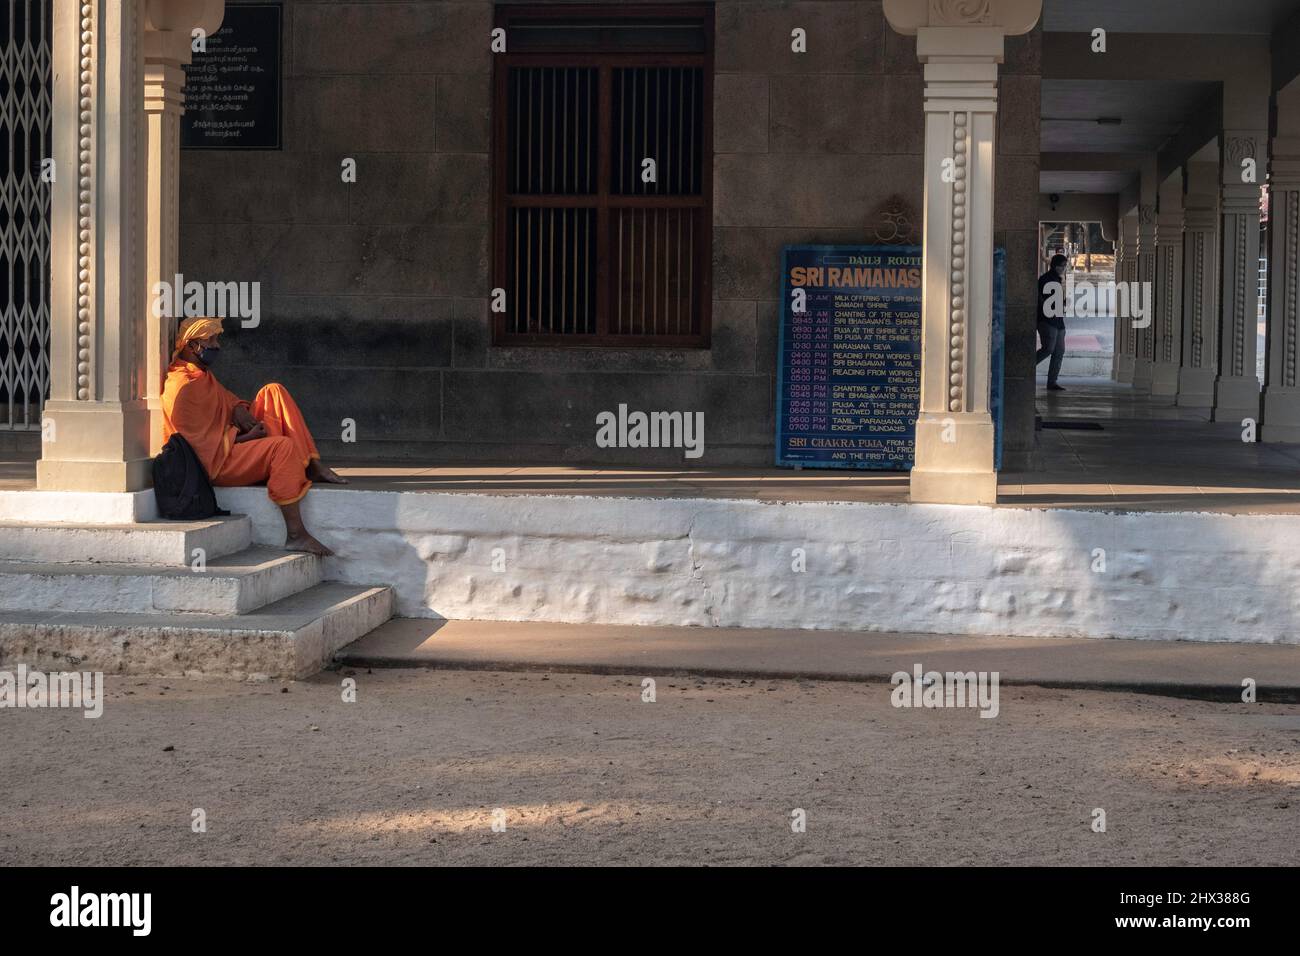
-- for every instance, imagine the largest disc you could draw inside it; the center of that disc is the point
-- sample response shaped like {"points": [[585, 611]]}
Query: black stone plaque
{"points": [[232, 90]]}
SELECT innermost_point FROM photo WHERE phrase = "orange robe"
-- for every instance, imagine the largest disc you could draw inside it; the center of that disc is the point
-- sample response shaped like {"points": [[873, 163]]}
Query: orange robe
{"points": [[202, 410]]}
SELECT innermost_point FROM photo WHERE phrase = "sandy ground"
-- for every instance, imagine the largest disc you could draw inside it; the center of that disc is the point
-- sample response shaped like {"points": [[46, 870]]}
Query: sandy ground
{"points": [[585, 772]]}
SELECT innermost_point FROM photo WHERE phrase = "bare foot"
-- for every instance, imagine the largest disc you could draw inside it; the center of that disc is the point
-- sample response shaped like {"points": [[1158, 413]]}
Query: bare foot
{"points": [[305, 542], [319, 472]]}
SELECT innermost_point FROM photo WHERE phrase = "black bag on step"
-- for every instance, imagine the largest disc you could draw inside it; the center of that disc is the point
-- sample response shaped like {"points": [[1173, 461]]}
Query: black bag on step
{"points": [[180, 485]]}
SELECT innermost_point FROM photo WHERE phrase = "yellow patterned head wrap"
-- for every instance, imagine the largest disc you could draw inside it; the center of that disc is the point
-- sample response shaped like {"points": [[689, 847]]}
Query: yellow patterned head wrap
{"points": [[196, 328]]}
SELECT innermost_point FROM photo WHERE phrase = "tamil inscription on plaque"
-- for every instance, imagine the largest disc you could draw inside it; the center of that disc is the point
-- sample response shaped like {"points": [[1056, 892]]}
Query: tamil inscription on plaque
{"points": [[849, 360], [232, 87]]}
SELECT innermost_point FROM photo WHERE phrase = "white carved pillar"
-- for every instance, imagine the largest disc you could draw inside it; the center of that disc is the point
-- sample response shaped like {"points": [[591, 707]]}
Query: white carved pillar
{"points": [[103, 355], [1144, 336], [960, 43], [1236, 392], [1200, 288], [1126, 271], [1168, 318], [1281, 412], [168, 47], [96, 424]]}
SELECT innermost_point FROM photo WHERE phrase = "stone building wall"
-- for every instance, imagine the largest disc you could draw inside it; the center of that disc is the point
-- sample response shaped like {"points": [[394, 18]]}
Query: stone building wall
{"points": [[375, 293]]}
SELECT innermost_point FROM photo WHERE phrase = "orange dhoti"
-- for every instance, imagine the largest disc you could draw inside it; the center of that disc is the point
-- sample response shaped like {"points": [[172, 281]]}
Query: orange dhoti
{"points": [[281, 458]]}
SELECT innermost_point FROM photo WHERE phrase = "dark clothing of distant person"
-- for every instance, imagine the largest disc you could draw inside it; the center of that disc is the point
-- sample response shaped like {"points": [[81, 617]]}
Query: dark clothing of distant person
{"points": [[1051, 328]]}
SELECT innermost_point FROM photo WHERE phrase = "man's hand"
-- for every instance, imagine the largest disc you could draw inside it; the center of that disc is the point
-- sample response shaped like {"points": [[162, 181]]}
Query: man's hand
{"points": [[243, 419], [257, 431]]}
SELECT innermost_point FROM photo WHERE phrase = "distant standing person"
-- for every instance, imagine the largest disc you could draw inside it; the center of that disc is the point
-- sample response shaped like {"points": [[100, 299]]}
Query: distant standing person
{"points": [[1051, 328]]}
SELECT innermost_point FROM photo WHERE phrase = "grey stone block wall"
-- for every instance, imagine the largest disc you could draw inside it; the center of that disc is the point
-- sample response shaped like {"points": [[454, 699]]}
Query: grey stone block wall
{"points": [[375, 293]]}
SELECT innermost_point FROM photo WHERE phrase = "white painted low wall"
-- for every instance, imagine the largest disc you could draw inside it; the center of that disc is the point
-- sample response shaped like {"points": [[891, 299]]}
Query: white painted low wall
{"points": [[870, 567]]}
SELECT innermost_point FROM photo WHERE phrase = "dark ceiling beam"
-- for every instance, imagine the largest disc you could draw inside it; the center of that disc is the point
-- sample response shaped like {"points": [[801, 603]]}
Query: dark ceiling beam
{"points": [[1089, 162], [1203, 125], [1152, 56]]}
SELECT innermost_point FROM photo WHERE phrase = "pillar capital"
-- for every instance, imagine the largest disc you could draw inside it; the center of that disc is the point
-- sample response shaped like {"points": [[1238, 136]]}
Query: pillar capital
{"points": [[183, 16], [1243, 157], [1146, 228], [1128, 228], [168, 47], [1284, 163], [1005, 17], [1170, 224], [1239, 199]]}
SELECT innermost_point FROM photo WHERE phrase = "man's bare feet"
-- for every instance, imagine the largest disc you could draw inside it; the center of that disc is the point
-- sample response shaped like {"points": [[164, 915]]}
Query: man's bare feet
{"points": [[305, 542], [319, 472]]}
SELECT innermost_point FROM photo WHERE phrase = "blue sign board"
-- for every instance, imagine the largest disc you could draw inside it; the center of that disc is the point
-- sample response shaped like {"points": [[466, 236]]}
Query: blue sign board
{"points": [[849, 362]]}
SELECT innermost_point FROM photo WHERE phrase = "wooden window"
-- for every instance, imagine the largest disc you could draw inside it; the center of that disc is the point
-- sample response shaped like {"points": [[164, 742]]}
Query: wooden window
{"points": [[592, 244]]}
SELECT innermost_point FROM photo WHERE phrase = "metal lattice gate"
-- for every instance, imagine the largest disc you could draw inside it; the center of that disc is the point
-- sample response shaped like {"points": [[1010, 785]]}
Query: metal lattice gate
{"points": [[25, 106]]}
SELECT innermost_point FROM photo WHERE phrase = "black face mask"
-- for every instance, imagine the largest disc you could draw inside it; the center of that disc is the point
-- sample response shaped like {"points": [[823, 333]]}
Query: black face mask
{"points": [[208, 356]]}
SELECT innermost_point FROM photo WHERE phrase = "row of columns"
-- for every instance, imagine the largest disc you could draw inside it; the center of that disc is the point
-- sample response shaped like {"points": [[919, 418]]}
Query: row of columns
{"points": [[1198, 246]]}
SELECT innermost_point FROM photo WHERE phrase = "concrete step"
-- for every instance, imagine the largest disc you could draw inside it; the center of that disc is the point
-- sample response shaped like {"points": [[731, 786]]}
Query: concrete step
{"points": [[234, 584], [292, 638], [151, 542]]}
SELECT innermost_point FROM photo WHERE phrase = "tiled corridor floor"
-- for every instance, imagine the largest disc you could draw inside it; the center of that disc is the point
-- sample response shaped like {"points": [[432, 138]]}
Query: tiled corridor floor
{"points": [[1147, 456]]}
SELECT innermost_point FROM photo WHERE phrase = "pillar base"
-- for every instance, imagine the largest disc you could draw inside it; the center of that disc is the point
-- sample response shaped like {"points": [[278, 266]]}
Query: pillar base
{"points": [[1164, 379], [114, 476], [954, 488], [1142, 375], [95, 446], [1124, 369], [1236, 397], [1195, 388], [954, 459], [1281, 418]]}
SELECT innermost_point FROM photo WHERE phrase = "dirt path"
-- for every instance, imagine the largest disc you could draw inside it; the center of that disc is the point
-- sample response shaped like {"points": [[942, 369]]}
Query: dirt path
{"points": [[586, 773]]}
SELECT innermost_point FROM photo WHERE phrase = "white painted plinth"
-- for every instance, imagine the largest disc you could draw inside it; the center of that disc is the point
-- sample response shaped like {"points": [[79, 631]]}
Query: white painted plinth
{"points": [[873, 567]]}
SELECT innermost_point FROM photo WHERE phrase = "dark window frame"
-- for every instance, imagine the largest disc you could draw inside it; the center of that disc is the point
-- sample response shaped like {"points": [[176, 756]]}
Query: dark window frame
{"points": [[604, 199]]}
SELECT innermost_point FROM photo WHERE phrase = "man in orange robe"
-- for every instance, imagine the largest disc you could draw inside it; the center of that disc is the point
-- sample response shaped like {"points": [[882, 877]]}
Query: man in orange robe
{"points": [[238, 442]]}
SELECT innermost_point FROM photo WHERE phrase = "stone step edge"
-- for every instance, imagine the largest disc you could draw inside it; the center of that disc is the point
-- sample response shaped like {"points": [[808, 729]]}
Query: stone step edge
{"points": [[219, 567], [288, 643], [162, 542]]}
